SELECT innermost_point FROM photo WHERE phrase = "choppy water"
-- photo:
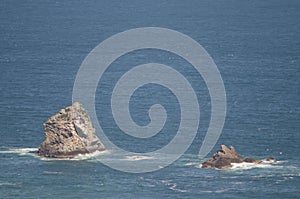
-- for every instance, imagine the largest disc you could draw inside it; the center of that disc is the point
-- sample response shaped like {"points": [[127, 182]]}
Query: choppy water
{"points": [[255, 45]]}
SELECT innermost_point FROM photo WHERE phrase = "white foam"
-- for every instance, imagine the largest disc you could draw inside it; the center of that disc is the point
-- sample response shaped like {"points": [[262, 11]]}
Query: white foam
{"points": [[263, 164], [79, 157], [199, 166], [90, 155], [20, 151], [191, 163], [291, 175], [247, 165], [52, 172], [138, 157], [173, 186], [215, 191], [7, 184]]}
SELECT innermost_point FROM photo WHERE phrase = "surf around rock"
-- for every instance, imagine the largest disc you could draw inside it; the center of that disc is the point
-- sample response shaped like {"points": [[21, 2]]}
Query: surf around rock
{"points": [[224, 158]]}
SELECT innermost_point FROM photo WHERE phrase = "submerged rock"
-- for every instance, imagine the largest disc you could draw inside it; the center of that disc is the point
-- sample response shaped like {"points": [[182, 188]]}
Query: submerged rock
{"points": [[69, 133], [224, 157]]}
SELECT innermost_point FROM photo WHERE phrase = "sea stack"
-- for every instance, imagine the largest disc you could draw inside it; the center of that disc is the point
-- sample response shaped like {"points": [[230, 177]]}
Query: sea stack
{"points": [[69, 133]]}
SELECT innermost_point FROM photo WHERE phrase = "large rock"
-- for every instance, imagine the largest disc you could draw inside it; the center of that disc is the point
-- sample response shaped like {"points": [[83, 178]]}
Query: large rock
{"points": [[69, 133]]}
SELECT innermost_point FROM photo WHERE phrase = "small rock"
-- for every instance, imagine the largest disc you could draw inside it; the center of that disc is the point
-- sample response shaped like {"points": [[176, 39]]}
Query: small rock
{"points": [[223, 158], [271, 159], [252, 160]]}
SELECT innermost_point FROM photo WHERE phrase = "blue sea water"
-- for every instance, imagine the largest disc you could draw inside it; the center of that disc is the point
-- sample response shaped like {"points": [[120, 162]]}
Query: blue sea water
{"points": [[255, 44]]}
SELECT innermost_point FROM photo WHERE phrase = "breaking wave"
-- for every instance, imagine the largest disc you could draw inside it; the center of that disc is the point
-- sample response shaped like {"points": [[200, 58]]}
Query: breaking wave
{"points": [[20, 151], [264, 164], [136, 158], [33, 151]]}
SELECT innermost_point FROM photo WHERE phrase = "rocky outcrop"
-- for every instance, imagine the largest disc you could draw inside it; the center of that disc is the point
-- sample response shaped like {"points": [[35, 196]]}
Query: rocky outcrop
{"points": [[224, 157], [69, 133]]}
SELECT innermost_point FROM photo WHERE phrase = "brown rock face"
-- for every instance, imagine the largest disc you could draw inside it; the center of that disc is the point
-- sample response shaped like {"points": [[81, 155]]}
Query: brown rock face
{"points": [[252, 160], [224, 157], [69, 133]]}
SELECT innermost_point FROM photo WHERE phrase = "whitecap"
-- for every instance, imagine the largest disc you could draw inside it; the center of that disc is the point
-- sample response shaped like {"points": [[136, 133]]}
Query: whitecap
{"points": [[291, 175], [173, 186], [215, 191], [79, 157], [199, 166], [247, 165], [90, 155], [138, 157], [52, 172], [20, 151], [263, 164], [8, 184], [191, 163]]}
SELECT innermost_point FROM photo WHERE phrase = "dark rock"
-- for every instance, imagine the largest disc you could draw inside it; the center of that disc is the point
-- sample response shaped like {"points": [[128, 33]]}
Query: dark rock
{"points": [[69, 133], [223, 158], [271, 159], [252, 160]]}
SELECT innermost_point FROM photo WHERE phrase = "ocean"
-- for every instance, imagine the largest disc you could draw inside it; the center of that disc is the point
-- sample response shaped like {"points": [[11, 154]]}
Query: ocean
{"points": [[255, 45]]}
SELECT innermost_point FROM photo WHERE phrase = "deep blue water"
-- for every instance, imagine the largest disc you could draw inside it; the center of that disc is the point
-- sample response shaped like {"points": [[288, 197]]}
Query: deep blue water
{"points": [[255, 44]]}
